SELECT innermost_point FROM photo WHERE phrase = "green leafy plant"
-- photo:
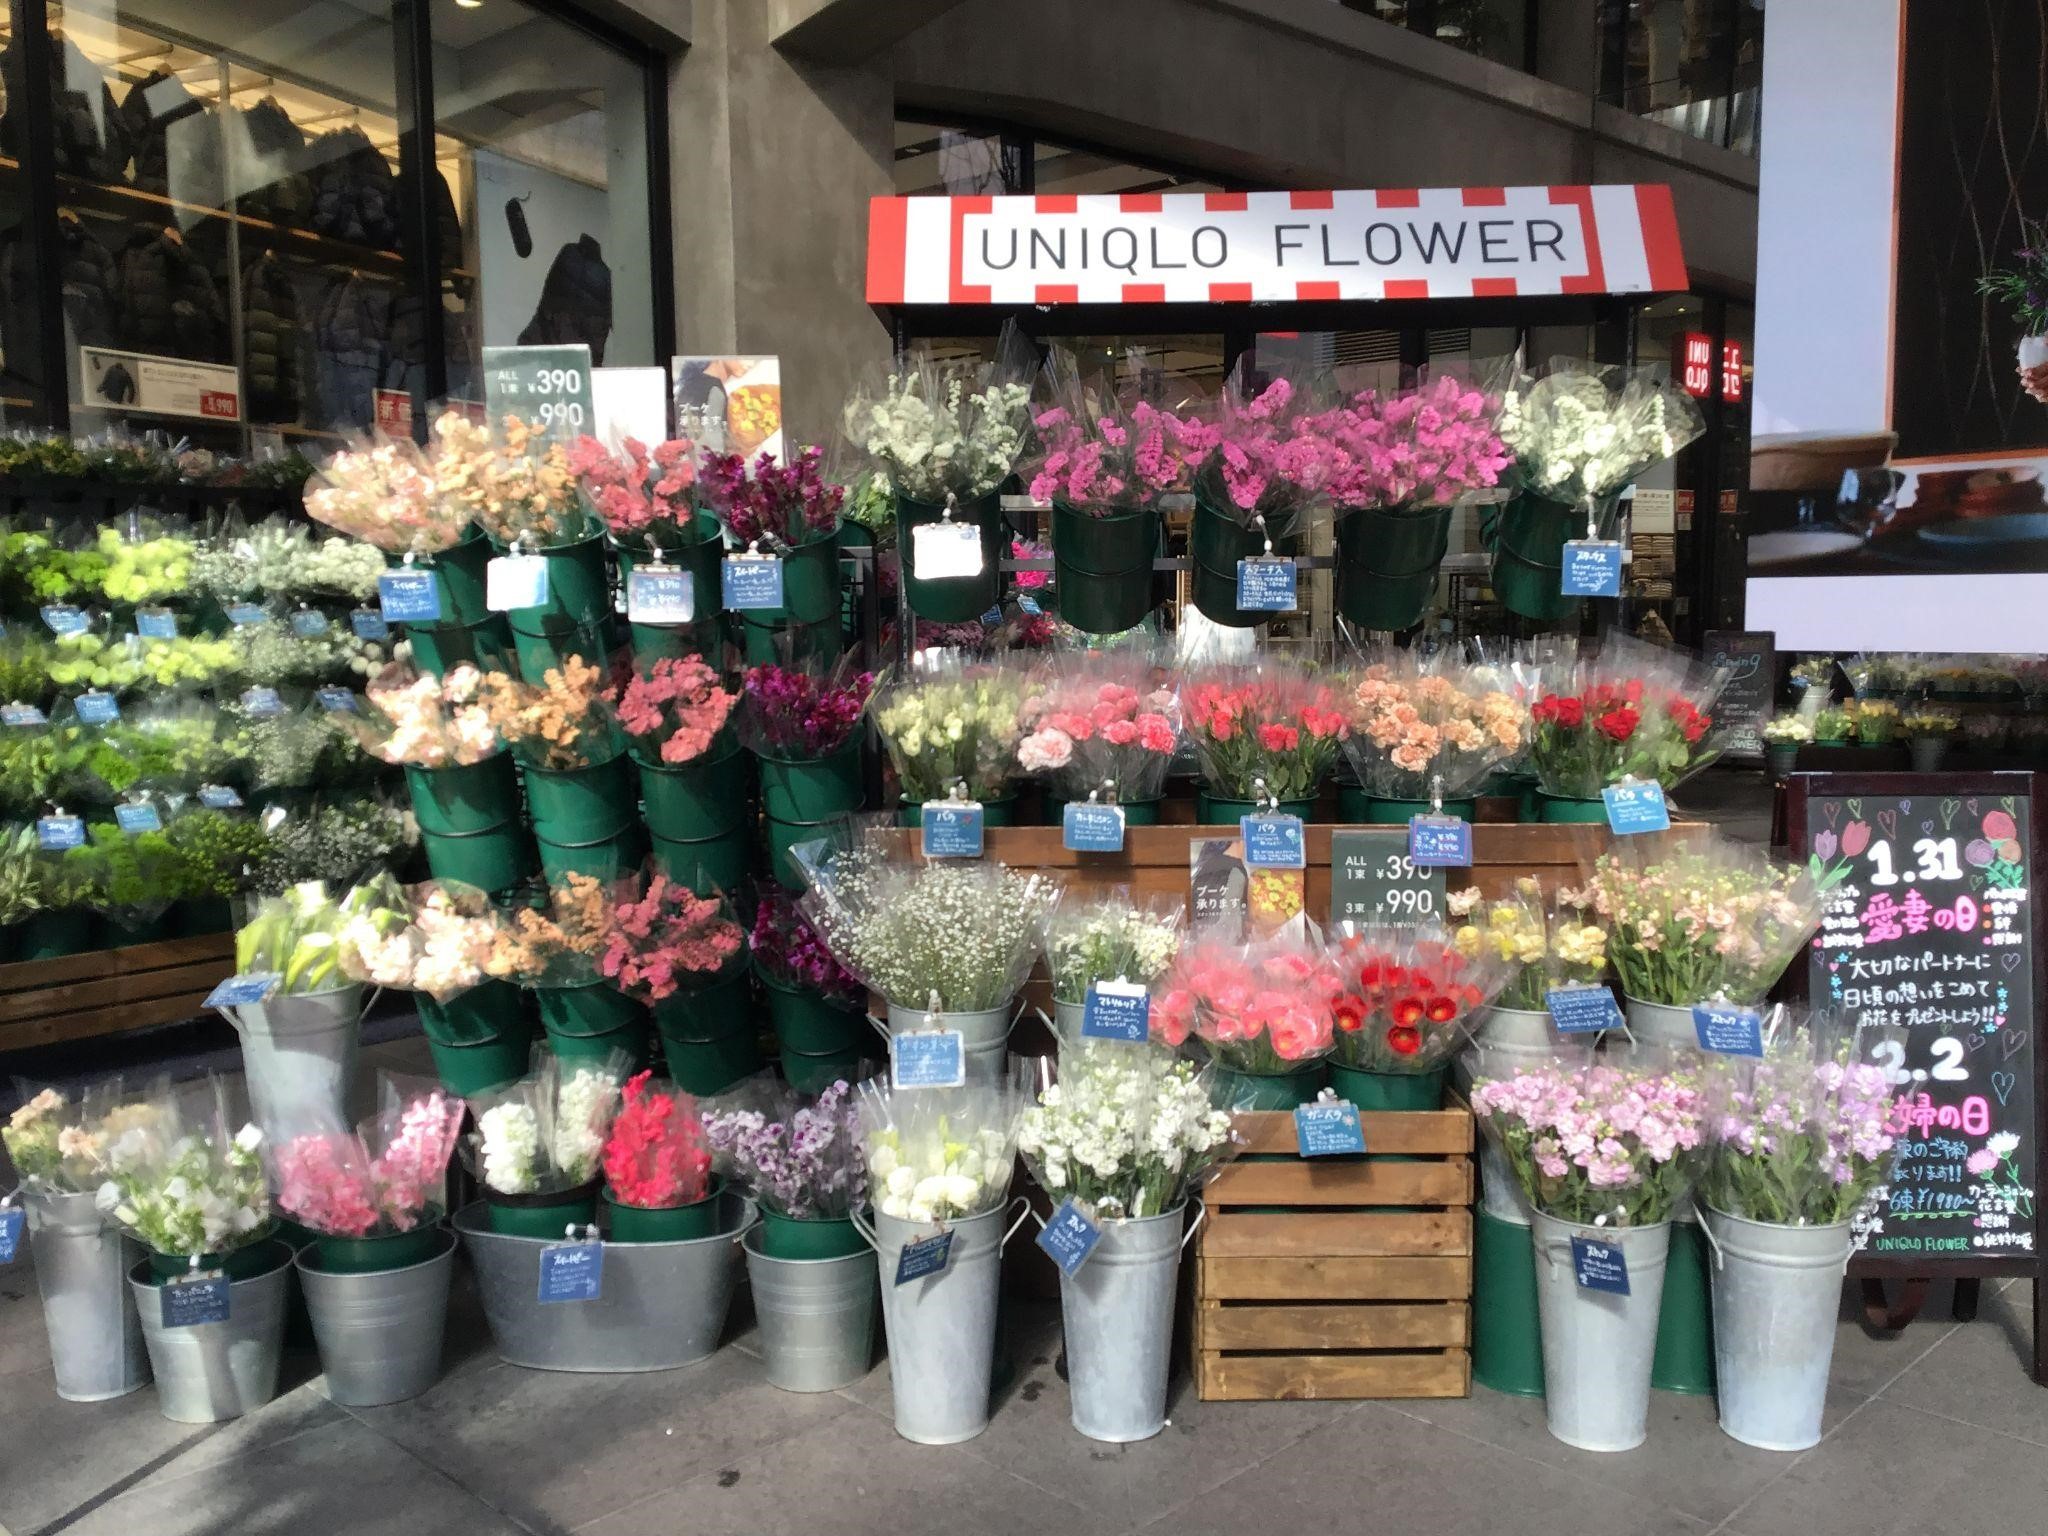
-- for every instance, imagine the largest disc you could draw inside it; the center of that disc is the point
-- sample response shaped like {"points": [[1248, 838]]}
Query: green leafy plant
{"points": [[2023, 287]]}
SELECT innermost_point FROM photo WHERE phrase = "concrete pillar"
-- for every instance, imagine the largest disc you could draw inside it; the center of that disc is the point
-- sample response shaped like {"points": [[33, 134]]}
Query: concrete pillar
{"points": [[773, 160]]}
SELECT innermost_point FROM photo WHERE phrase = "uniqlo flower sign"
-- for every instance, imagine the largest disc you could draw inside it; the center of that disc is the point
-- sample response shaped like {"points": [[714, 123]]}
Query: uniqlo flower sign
{"points": [[1250, 247]]}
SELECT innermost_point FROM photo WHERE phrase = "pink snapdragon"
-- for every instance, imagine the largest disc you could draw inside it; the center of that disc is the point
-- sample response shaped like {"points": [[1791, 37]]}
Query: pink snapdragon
{"points": [[638, 491]]}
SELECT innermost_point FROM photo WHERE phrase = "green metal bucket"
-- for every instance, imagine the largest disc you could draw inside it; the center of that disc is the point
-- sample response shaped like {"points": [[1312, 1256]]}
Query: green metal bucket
{"points": [[473, 797], [1528, 559], [1507, 1339], [780, 643], [999, 811], [548, 1217], [539, 654], [1562, 810], [492, 860], [811, 789], [1685, 1324], [810, 585], [1387, 560], [688, 802], [606, 858], [815, 1237], [811, 1024], [712, 1066], [1214, 811], [700, 558], [582, 805], [711, 863], [1398, 1091], [587, 1022], [663, 1224], [955, 599], [579, 590], [438, 647], [809, 1072], [459, 578], [1355, 805], [1102, 567], [696, 1015], [781, 836], [367, 1255], [1260, 1090]]}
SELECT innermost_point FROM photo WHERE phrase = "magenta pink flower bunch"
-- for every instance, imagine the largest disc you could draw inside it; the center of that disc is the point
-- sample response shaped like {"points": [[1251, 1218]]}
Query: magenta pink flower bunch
{"points": [[665, 938], [640, 492], [1263, 460], [791, 502], [676, 709], [794, 713], [788, 951], [389, 1177], [1433, 445], [1108, 460], [1604, 1144]]}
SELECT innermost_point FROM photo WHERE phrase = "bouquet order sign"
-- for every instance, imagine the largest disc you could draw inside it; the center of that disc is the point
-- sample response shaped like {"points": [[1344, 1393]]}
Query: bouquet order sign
{"points": [[1246, 247]]}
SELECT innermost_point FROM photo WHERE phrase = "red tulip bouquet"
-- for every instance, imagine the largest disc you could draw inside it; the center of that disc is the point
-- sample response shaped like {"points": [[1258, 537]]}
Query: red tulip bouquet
{"points": [[1409, 998]]}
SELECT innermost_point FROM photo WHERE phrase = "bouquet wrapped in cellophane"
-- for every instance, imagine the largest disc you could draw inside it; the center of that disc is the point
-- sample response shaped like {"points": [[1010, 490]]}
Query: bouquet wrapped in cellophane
{"points": [[1126, 1133], [1582, 431], [1409, 997], [386, 1176], [386, 493], [1114, 936], [546, 1133], [1104, 723], [439, 937], [952, 719], [1557, 944], [941, 1154], [67, 1142], [801, 1160], [183, 1179], [1271, 727], [943, 428], [1427, 725], [1633, 711], [422, 721], [1262, 1008]]}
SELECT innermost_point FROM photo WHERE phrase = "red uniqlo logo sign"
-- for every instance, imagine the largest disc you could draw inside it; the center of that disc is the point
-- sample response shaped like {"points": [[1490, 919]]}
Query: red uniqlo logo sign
{"points": [[219, 402], [1692, 359]]}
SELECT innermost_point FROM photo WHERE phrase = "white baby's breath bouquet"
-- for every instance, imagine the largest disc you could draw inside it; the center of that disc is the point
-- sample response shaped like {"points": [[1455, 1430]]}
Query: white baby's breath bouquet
{"points": [[1111, 937], [1128, 1132], [1582, 432], [939, 1154]]}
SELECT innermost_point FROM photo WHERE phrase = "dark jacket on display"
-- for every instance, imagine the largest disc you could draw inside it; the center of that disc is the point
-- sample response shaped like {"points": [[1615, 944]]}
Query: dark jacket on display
{"points": [[170, 304], [89, 291], [354, 194], [575, 301], [91, 141], [274, 152], [349, 329], [175, 140], [270, 341]]}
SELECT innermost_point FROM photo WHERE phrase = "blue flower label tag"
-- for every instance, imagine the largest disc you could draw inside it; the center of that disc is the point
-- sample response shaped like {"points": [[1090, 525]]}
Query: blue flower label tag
{"points": [[513, 582], [12, 1219], [1592, 568], [336, 700], [926, 1256], [97, 708], [993, 617], [1029, 605], [1582, 1010], [945, 551], [1273, 841], [309, 623], [1117, 1010], [219, 797], [1600, 1266], [156, 624], [1440, 842], [241, 614], [408, 597], [1088, 826], [1728, 1030], [930, 1058], [1328, 1130], [1633, 808], [369, 624], [661, 596], [137, 816], [22, 714], [750, 582], [54, 834], [1266, 584], [64, 618], [951, 829], [189, 1302], [262, 703], [1070, 1237], [571, 1272], [242, 991]]}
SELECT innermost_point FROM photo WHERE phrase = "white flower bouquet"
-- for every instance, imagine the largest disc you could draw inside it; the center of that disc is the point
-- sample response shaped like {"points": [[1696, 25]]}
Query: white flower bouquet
{"points": [[1581, 432], [952, 720], [183, 1181], [437, 937], [1111, 937], [1126, 1132], [939, 1154], [937, 427], [62, 1144], [544, 1135]]}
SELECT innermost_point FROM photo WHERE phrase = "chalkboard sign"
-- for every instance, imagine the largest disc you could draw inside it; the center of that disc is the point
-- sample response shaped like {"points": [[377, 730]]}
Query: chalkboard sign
{"points": [[1750, 697], [1930, 925]]}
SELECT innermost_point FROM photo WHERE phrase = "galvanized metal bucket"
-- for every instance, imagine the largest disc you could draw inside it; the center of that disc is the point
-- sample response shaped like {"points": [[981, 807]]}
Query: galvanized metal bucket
{"points": [[1119, 1321], [1597, 1347], [212, 1371], [1517, 1027], [817, 1317], [1776, 1291], [1067, 1019], [1500, 1192], [82, 1264], [379, 1330], [1660, 1023], [942, 1329], [984, 1035], [662, 1305], [299, 1053]]}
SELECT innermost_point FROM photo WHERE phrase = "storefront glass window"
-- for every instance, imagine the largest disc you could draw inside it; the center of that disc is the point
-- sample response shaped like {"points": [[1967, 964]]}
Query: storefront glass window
{"points": [[1492, 29], [1694, 65], [546, 130], [932, 161]]}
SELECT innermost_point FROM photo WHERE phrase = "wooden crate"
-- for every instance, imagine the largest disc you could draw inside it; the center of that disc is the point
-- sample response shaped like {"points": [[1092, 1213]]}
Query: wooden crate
{"points": [[106, 991], [1338, 1277]]}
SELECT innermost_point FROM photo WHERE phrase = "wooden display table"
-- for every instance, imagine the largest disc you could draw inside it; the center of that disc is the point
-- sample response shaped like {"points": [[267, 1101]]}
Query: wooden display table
{"points": [[106, 991]]}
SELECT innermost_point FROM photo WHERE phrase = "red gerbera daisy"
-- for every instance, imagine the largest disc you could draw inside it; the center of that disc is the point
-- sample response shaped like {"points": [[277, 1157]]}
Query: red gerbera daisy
{"points": [[1404, 1039], [1406, 1012], [1441, 1009], [1348, 1013]]}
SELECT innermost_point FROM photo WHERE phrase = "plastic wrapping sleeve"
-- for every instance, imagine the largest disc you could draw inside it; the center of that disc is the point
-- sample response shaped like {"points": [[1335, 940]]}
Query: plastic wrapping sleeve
{"points": [[658, 1153], [1125, 1133], [660, 937], [1103, 451], [132, 878], [1103, 723], [942, 1154], [677, 710], [950, 719], [385, 492], [966, 934], [293, 935], [339, 840], [1632, 711], [553, 938], [546, 1133], [440, 938], [1410, 996], [1433, 442], [1112, 936], [58, 1139], [386, 1175], [167, 742], [1543, 943], [1609, 1141], [1271, 721], [1806, 1135], [512, 478], [1424, 724], [644, 492], [183, 1175], [937, 428], [422, 721], [1693, 917], [236, 560], [800, 1159], [788, 951], [1582, 431], [1262, 1007], [1261, 462], [564, 722]]}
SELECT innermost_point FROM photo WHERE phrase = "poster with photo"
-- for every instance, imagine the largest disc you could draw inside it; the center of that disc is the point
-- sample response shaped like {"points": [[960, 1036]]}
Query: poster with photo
{"points": [[158, 386], [1901, 441], [731, 404]]}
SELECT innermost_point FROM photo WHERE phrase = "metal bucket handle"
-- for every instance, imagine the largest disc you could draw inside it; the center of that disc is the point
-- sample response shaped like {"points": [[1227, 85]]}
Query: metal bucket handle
{"points": [[369, 1003], [1201, 1215], [1720, 1258], [1026, 1211], [881, 1026], [867, 1233]]}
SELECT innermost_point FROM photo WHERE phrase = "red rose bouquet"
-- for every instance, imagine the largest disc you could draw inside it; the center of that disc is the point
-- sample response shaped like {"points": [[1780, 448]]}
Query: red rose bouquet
{"points": [[1273, 725], [1408, 996], [1636, 711], [1101, 721]]}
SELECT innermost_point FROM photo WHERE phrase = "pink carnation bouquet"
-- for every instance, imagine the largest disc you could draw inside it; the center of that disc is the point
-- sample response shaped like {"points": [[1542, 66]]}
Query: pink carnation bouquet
{"points": [[424, 721], [1419, 723], [1274, 724], [388, 1176], [386, 494], [1101, 722], [1261, 1009], [646, 495], [661, 937], [1608, 1145], [676, 710]]}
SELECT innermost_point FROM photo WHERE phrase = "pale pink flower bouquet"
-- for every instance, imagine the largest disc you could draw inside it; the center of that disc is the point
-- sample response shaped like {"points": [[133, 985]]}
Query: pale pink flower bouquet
{"points": [[438, 937], [1106, 722], [423, 721], [386, 494], [386, 1178]]}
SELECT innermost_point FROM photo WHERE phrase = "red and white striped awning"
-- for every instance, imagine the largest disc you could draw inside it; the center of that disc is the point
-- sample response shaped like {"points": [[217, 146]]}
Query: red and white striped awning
{"points": [[1251, 247]]}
